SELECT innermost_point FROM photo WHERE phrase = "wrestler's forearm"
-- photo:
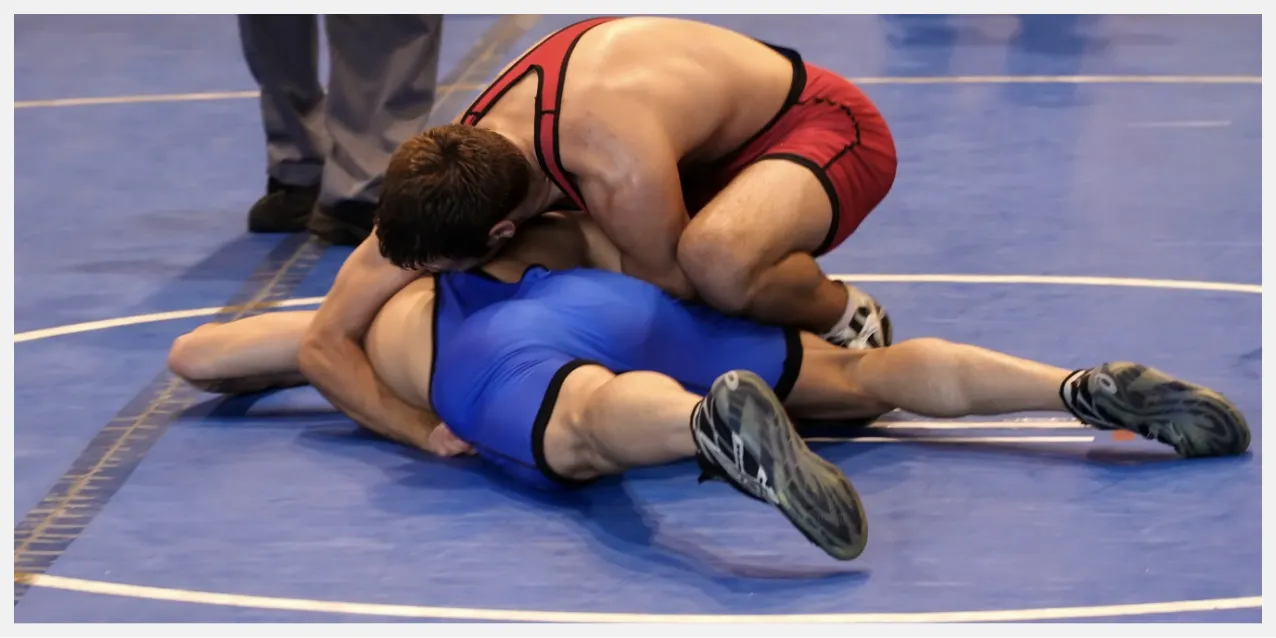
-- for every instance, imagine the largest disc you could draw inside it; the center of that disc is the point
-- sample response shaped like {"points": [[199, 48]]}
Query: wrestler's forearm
{"points": [[331, 351], [339, 369]]}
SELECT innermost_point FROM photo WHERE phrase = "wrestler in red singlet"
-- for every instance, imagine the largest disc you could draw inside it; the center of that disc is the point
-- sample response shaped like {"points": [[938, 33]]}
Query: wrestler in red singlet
{"points": [[826, 124]]}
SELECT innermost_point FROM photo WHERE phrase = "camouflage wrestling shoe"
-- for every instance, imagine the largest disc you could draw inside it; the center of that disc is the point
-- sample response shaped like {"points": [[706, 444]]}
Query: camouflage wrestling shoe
{"points": [[1194, 420], [745, 438]]}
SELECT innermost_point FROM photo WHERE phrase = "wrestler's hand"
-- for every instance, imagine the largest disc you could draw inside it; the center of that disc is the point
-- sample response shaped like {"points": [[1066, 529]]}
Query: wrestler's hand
{"points": [[443, 443]]}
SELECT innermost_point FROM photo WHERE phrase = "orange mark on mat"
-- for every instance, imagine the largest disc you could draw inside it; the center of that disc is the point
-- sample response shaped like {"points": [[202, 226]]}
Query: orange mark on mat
{"points": [[1123, 435]]}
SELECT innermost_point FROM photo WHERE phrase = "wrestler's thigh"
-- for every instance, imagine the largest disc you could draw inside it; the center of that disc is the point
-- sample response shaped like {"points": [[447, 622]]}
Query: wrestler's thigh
{"points": [[773, 208]]}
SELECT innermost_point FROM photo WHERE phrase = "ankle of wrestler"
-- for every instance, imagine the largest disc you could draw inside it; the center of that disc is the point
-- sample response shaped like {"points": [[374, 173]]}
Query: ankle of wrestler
{"points": [[843, 323]]}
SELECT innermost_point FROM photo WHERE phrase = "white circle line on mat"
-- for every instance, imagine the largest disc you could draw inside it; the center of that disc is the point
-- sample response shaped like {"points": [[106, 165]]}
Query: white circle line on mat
{"points": [[516, 615], [1039, 280]]}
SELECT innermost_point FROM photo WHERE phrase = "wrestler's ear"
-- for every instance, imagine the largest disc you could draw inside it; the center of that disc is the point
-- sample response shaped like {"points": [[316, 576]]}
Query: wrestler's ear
{"points": [[501, 232]]}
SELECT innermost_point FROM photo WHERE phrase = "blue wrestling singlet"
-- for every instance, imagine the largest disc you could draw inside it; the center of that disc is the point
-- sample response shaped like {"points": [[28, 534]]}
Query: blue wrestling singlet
{"points": [[502, 351]]}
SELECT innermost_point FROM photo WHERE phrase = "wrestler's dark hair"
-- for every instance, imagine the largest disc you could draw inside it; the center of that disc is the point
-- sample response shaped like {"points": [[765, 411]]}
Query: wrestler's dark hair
{"points": [[444, 190]]}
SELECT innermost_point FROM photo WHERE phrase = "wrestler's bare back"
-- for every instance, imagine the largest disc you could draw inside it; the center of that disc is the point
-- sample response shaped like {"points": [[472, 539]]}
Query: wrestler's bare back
{"points": [[400, 342], [707, 89]]}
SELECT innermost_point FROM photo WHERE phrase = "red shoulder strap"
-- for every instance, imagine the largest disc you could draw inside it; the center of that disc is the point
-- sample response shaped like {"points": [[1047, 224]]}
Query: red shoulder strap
{"points": [[549, 61]]}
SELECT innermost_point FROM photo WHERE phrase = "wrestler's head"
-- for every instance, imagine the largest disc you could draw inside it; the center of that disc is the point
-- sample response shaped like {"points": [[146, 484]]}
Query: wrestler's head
{"points": [[448, 199]]}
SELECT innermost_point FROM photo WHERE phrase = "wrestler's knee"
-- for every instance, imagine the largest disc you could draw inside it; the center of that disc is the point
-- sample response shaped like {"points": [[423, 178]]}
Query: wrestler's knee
{"points": [[722, 274], [830, 385], [568, 446]]}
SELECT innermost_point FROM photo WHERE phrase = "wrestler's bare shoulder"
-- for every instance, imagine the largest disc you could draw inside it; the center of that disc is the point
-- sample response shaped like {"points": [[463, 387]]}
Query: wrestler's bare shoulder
{"points": [[704, 88], [643, 54]]}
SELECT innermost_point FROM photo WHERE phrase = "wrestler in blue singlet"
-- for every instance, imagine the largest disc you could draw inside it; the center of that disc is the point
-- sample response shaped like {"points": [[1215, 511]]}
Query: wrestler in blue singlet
{"points": [[502, 350]]}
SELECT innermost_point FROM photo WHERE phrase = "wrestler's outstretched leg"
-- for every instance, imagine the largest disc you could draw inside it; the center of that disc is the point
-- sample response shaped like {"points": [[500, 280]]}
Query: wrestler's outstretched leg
{"points": [[937, 378]]}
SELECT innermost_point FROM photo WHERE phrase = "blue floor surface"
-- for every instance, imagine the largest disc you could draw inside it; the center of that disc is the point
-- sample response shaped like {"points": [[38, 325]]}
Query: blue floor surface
{"points": [[134, 208]]}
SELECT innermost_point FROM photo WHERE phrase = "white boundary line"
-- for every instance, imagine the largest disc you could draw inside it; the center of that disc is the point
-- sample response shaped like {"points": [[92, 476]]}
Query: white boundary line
{"points": [[951, 439], [457, 613], [512, 615], [155, 317], [156, 98], [1058, 280], [876, 81], [1020, 424], [1183, 124], [153, 98], [1062, 79]]}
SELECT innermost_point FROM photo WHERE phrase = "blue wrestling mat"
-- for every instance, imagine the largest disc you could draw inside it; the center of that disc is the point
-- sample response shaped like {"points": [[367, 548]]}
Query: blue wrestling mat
{"points": [[1071, 189]]}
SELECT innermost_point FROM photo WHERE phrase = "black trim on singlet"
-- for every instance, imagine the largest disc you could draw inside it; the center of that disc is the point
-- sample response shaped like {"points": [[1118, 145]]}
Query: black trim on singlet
{"points": [[538, 143], [821, 173], [434, 342], [552, 165], [567, 183], [793, 354], [797, 84], [561, 90], [541, 423], [473, 117]]}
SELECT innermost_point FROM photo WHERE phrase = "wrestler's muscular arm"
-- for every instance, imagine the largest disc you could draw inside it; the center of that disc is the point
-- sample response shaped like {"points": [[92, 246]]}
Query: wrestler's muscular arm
{"points": [[332, 357], [628, 175]]}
